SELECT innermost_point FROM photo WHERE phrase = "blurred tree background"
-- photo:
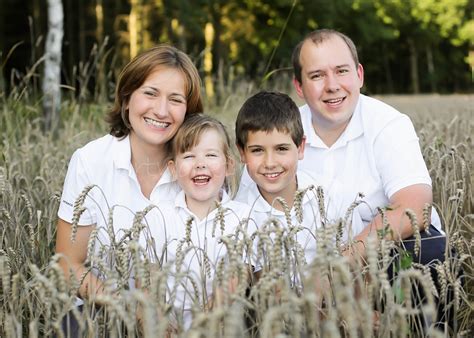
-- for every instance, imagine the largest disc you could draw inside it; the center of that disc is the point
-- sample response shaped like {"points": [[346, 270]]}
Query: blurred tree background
{"points": [[406, 46]]}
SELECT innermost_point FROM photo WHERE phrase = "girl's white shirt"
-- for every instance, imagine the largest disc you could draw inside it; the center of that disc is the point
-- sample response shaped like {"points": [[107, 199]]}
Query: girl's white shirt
{"points": [[204, 248]]}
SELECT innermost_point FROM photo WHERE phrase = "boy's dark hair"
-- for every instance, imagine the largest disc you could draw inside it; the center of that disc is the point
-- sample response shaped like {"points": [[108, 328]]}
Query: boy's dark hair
{"points": [[266, 111]]}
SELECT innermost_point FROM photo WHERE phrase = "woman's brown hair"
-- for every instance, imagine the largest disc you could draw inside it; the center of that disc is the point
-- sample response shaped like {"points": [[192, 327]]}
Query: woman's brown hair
{"points": [[134, 75]]}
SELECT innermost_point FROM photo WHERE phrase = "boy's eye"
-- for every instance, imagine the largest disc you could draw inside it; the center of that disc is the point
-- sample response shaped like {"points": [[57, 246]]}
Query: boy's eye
{"points": [[282, 148], [186, 156]]}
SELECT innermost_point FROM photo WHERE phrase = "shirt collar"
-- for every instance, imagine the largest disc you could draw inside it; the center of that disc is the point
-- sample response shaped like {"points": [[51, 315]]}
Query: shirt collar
{"points": [[122, 153], [353, 130], [256, 201], [180, 203], [122, 157]]}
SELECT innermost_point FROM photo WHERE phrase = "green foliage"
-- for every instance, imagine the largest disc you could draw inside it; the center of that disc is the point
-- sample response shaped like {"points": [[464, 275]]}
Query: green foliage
{"points": [[254, 38]]}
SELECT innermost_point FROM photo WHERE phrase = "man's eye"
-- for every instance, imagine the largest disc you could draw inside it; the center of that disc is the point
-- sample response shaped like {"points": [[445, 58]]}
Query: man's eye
{"points": [[316, 76]]}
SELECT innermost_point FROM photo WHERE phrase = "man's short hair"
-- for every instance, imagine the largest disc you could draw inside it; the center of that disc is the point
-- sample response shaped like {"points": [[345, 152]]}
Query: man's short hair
{"points": [[318, 36], [267, 111]]}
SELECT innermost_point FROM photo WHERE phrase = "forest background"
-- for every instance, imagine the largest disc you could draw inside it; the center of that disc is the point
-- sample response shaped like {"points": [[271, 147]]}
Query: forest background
{"points": [[406, 46]]}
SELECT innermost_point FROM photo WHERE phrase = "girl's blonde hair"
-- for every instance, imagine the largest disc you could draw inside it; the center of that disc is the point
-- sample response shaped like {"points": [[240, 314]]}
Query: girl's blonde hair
{"points": [[189, 135]]}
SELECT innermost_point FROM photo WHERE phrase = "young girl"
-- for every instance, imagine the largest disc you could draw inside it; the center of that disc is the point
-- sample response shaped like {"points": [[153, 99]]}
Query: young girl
{"points": [[194, 225]]}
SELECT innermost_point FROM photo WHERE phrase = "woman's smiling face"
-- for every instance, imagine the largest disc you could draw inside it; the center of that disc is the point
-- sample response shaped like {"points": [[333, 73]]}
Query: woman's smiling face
{"points": [[157, 108]]}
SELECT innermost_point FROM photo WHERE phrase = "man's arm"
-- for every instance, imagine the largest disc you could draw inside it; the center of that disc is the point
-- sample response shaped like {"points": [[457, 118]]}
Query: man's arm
{"points": [[413, 197]]}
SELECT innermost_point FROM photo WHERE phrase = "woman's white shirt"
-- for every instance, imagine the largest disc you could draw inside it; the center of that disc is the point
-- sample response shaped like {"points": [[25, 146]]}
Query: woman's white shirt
{"points": [[106, 164]]}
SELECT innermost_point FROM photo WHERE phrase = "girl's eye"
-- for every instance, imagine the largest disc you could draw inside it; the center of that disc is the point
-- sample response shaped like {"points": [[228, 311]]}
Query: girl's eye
{"points": [[256, 150], [211, 155], [187, 156]]}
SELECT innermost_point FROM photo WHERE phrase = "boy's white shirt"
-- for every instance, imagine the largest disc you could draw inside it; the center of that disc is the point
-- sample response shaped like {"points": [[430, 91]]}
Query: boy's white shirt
{"points": [[204, 238], [262, 211]]}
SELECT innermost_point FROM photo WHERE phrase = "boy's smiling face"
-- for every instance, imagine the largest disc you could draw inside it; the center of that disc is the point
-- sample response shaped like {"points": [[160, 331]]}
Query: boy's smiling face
{"points": [[272, 159]]}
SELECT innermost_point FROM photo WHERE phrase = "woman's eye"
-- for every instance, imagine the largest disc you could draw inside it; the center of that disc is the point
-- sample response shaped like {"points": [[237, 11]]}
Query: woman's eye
{"points": [[150, 93], [177, 100]]}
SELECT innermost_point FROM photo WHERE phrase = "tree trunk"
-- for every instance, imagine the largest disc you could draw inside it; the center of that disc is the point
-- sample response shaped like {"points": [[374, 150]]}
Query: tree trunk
{"points": [[82, 32], [71, 43], [52, 65], [101, 82], [415, 83], [2, 45], [388, 73], [431, 68], [133, 28], [217, 49], [209, 38]]}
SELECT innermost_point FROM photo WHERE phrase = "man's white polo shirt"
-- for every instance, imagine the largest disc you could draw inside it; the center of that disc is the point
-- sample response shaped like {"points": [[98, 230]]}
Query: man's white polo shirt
{"points": [[377, 155], [106, 163], [205, 241], [262, 211]]}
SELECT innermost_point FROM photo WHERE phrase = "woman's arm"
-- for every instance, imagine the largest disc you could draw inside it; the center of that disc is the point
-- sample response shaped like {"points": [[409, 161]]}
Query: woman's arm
{"points": [[74, 255]]}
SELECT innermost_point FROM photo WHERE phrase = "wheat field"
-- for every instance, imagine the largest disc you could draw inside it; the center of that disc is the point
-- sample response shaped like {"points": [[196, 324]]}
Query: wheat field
{"points": [[359, 301]]}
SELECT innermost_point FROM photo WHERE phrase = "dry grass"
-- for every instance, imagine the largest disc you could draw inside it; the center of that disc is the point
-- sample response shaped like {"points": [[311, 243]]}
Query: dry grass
{"points": [[286, 301]]}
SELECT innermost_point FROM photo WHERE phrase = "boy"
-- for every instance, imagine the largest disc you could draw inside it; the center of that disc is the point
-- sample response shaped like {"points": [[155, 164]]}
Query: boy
{"points": [[271, 141]]}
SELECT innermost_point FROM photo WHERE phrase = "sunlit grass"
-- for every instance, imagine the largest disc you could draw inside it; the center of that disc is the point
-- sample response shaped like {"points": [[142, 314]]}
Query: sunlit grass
{"points": [[34, 296]]}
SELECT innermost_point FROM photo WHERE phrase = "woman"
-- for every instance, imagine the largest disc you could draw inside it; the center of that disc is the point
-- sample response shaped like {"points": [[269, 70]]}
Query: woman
{"points": [[125, 171]]}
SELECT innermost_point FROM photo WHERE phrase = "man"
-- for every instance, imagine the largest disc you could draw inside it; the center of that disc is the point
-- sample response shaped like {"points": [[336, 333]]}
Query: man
{"points": [[363, 143]]}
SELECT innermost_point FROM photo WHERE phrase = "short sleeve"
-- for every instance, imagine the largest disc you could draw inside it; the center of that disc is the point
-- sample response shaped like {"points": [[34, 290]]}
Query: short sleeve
{"points": [[76, 180], [398, 156]]}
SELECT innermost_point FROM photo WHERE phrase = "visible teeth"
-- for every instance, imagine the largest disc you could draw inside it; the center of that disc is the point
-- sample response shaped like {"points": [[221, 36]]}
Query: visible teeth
{"points": [[272, 175], [156, 123], [201, 179], [333, 101]]}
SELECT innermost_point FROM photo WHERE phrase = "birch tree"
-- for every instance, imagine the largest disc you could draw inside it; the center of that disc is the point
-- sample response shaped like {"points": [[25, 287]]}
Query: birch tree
{"points": [[52, 65]]}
